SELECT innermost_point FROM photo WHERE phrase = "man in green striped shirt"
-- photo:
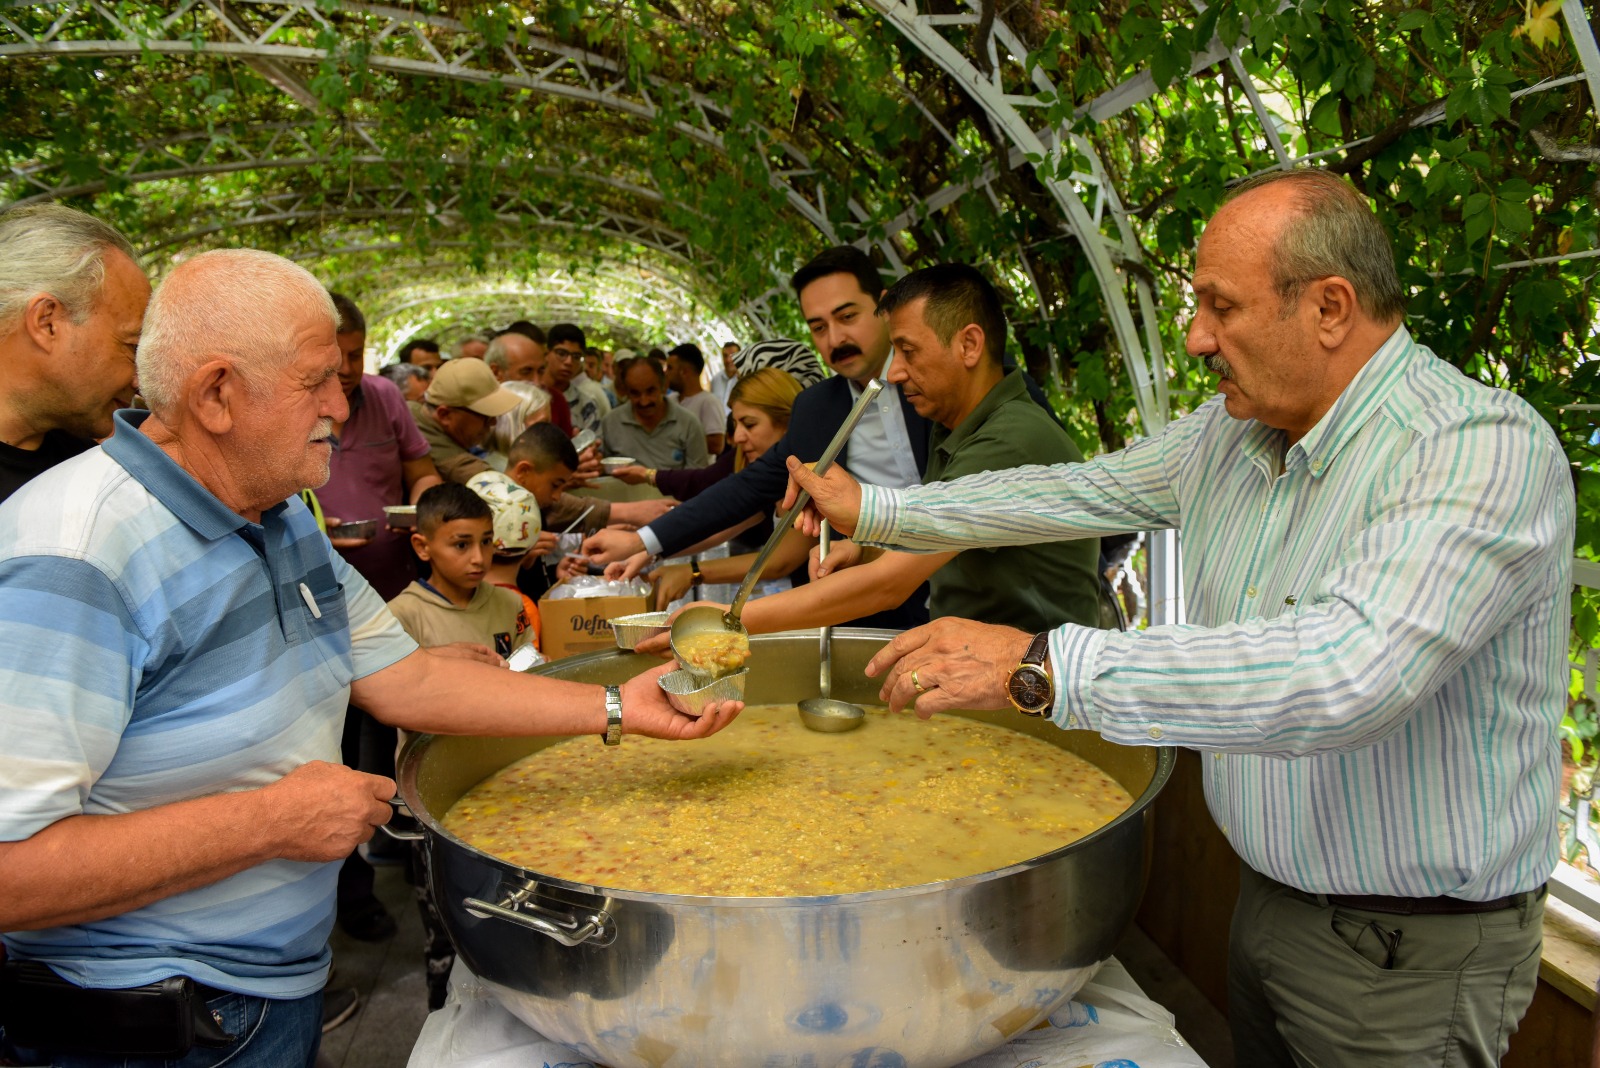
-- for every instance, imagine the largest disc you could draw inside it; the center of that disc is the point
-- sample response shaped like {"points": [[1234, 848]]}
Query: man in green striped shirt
{"points": [[1377, 562]]}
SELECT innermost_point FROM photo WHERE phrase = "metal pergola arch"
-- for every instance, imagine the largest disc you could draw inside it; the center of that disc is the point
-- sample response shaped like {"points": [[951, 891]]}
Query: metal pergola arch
{"points": [[511, 208], [613, 289], [271, 37], [256, 47], [573, 73], [624, 228], [617, 276], [1110, 260], [609, 229], [256, 51], [209, 161]]}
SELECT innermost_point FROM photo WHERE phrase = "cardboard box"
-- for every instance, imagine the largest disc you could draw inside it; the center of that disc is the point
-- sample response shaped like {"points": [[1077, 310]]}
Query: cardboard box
{"points": [[569, 626]]}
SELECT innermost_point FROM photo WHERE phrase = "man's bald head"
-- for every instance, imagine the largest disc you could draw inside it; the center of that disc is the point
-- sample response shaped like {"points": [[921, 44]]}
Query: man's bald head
{"points": [[515, 357], [1320, 226], [235, 303]]}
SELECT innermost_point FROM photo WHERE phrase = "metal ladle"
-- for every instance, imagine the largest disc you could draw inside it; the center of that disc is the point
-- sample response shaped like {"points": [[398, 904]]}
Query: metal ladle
{"points": [[704, 618], [824, 713]]}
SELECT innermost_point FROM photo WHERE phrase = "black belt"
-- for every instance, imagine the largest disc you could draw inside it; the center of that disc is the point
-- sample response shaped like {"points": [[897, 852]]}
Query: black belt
{"points": [[209, 993], [41, 1010], [1423, 906]]}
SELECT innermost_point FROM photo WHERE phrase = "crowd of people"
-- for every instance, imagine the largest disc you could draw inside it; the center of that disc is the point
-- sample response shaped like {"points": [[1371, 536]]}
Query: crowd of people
{"points": [[219, 610]]}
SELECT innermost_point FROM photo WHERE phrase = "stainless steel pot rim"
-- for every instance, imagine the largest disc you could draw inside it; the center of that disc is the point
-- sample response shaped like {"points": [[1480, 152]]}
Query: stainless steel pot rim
{"points": [[1165, 760]]}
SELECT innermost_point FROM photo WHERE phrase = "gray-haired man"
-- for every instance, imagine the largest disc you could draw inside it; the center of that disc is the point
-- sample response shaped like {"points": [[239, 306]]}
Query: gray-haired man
{"points": [[169, 803], [71, 304]]}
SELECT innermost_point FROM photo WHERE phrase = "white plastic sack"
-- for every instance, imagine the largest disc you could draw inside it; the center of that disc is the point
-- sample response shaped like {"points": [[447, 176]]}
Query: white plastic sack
{"points": [[474, 1031], [1110, 1024]]}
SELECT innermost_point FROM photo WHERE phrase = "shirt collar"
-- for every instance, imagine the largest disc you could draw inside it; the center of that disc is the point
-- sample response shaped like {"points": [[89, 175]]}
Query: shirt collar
{"points": [[1261, 443], [1009, 388], [194, 505], [1355, 405], [888, 398]]}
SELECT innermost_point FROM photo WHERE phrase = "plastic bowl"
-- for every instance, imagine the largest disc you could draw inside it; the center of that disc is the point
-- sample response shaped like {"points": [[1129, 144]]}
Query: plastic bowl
{"points": [[611, 463]]}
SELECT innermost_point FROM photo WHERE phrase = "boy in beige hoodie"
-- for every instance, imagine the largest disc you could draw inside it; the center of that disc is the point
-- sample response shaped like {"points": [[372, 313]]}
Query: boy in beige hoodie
{"points": [[455, 534]]}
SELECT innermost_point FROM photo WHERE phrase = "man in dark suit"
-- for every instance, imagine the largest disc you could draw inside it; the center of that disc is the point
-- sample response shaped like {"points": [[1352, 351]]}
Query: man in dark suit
{"points": [[838, 293]]}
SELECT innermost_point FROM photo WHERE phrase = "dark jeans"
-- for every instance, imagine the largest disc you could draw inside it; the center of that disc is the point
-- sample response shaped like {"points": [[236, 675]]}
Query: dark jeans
{"points": [[271, 1034]]}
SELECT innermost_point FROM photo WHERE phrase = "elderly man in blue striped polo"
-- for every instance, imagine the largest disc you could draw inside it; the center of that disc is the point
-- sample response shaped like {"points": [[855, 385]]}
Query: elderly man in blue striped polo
{"points": [[180, 644], [1377, 557]]}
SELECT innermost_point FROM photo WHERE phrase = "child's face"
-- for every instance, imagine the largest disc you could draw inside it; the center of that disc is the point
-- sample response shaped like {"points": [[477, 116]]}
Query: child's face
{"points": [[460, 551], [545, 485]]}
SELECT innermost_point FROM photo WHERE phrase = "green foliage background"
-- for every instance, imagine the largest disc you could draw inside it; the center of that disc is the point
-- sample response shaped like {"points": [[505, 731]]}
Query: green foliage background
{"points": [[1477, 146]]}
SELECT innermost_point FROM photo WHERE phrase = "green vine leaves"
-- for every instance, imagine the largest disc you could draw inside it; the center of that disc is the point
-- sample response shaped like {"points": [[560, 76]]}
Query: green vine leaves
{"points": [[714, 140]]}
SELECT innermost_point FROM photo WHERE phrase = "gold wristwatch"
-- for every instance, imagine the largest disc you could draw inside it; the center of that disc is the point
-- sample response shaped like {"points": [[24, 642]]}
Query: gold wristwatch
{"points": [[1029, 687]]}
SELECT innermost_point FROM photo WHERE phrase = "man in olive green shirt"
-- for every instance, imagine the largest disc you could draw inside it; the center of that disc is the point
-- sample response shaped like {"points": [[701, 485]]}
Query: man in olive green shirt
{"points": [[948, 332]]}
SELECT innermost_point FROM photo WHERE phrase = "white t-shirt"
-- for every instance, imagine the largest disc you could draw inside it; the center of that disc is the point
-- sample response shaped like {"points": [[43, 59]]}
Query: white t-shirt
{"points": [[711, 412]]}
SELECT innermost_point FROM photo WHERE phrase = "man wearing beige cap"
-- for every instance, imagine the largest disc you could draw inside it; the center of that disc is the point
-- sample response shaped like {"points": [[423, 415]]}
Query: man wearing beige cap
{"points": [[453, 417], [457, 413]]}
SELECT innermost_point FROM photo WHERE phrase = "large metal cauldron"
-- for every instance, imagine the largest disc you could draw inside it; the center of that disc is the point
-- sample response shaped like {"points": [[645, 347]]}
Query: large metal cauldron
{"points": [[919, 977]]}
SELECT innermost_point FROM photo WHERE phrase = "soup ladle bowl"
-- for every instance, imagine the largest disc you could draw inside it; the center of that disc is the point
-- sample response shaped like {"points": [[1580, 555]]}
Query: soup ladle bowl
{"points": [[704, 619]]}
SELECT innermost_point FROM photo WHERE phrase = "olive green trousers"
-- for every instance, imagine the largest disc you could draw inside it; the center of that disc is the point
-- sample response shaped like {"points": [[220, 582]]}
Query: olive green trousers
{"points": [[1314, 985]]}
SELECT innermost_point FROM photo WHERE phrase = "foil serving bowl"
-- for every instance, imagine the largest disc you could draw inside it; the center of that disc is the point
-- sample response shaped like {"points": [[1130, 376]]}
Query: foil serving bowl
{"points": [[641, 626], [695, 691]]}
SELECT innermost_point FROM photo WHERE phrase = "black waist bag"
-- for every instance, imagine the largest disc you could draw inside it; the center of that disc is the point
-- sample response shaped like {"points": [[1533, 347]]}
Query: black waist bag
{"points": [[40, 1010]]}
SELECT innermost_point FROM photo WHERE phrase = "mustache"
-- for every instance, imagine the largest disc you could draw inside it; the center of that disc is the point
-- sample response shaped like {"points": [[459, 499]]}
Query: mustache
{"points": [[323, 429], [1218, 366], [844, 352]]}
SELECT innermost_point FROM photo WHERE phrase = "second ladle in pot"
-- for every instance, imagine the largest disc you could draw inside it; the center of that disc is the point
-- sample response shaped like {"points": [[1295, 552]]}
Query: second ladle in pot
{"points": [[704, 619], [824, 713]]}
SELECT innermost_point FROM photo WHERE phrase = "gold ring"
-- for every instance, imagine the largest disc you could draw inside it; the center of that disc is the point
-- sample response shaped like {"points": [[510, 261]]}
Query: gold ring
{"points": [[916, 683]]}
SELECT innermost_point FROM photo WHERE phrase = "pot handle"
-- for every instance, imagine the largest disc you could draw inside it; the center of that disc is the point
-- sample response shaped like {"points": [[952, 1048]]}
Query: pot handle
{"points": [[573, 929], [399, 804]]}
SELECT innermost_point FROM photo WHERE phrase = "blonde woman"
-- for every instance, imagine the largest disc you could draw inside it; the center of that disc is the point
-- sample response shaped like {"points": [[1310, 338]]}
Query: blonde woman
{"points": [[760, 405]]}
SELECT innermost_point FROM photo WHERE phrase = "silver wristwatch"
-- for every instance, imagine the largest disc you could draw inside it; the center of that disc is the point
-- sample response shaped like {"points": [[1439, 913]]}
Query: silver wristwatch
{"points": [[613, 734]]}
